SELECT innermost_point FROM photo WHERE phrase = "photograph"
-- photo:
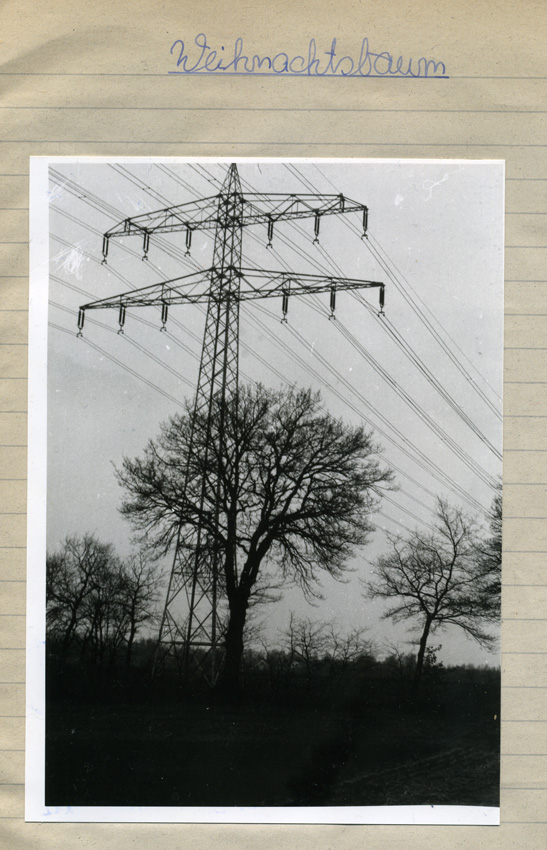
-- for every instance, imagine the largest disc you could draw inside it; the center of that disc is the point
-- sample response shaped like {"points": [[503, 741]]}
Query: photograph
{"points": [[266, 484]]}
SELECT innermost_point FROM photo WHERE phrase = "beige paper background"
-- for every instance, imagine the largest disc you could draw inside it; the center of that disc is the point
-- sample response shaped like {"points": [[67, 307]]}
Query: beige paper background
{"points": [[90, 78]]}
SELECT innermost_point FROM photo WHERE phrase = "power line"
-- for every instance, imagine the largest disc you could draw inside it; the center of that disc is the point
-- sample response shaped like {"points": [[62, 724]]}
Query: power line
{"points": [[121, 365], [409, 352], [432, 469], [168, 396], [163, 198], [141, 320], [418, 409], [134, 343], [434, 333]]}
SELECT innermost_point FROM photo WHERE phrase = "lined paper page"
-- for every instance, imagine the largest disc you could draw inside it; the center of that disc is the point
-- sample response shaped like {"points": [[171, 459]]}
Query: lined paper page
{"points": [[93, 79]]}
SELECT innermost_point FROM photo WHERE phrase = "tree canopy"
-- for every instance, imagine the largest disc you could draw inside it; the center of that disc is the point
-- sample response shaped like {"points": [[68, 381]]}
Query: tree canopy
{"points": [[289, 492]]}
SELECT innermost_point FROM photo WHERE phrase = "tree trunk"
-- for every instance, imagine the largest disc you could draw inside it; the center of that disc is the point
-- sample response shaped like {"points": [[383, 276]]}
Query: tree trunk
{"points": [[420, 657], [129, 651], [229, 681], [69, 632]]}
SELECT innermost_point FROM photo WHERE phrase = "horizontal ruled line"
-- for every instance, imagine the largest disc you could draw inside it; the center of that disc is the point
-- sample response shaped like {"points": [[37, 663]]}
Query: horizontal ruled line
{"points": [[315, 143], [239, 74], [273, 109], [524, 652], [288, 75]]}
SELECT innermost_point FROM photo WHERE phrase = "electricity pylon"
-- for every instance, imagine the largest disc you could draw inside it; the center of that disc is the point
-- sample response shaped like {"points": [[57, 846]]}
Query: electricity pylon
{"points": [[222, 287]]}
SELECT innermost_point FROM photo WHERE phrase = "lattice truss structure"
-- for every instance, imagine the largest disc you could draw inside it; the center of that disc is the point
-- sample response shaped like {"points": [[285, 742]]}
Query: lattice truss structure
{"points": [[196, 571]]}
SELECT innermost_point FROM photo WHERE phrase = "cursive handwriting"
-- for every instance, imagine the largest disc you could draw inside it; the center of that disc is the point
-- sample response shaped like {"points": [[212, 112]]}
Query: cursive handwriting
{"points": [[206, 60]]}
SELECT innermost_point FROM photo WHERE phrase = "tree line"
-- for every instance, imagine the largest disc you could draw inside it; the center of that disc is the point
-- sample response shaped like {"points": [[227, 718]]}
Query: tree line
{"points": [[294, 497], [97, 603]]}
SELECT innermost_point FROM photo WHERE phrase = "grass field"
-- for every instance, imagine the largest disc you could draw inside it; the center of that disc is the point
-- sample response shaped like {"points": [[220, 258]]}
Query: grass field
{"points": [[181, 752]]}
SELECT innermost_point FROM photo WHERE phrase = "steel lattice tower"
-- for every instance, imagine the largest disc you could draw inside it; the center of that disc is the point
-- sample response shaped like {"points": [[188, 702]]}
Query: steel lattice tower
{"points": [[224, 286]]}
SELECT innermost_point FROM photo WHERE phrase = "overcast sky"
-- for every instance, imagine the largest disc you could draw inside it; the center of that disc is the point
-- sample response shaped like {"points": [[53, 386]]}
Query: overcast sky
{"points": [[435, 239]]}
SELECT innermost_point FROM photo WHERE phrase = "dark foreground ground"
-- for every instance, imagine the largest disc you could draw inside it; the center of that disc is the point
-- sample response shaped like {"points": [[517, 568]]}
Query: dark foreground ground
{"points": [[372, 750]]}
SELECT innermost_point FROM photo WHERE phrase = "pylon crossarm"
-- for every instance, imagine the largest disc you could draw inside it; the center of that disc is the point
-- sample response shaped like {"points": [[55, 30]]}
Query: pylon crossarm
{"points": [[268, 284], [256, 208], [202, 213], [175, 291], [254, 284], [262, 208]]}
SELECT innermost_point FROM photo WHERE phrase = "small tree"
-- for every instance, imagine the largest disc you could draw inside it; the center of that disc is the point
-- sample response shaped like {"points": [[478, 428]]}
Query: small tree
{"points": [[297, 488], [103, 624], [305, 643], [72, 575], [344, 649], [439, 579], [140, 585]]}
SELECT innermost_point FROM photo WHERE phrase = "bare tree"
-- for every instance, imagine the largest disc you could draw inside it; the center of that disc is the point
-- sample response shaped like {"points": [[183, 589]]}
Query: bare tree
{"points": [[346, 648], [305, 643], [103, 623], [71, 579], [297, 488], [140, 587], [439, 579], [401, 664], [94, 601]]}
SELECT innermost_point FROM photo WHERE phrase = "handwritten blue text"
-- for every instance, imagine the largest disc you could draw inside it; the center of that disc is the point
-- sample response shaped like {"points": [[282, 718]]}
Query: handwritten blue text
{"points": [[206, 60]]}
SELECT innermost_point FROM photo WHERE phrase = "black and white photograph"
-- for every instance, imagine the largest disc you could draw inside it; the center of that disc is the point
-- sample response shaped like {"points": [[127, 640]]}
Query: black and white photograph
{"points": [[265, 490]]}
